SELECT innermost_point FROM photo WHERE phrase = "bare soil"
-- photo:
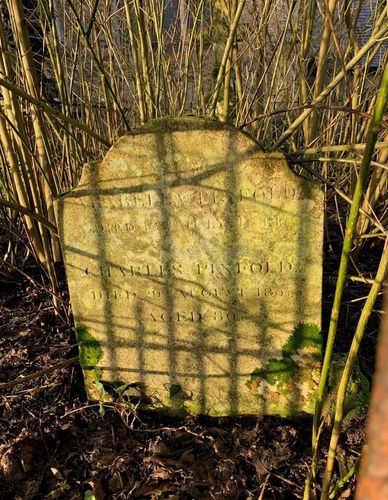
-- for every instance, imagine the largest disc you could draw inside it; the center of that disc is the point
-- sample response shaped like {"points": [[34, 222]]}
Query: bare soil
{"points": [[55, 444]]}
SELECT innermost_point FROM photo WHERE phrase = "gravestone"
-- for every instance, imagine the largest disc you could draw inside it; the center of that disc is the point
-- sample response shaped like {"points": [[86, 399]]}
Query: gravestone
{"points": [[194, 264]]}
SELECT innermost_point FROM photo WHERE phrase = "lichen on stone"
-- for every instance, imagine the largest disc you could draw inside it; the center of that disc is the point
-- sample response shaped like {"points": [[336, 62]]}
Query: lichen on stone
{"points": [[201, 191], [285, 379], [305, 335], [275, 371], [178, 399]]}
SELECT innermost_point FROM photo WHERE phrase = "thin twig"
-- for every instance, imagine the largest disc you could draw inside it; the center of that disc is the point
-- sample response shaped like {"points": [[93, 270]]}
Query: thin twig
{"points": [[300, 107], [40, 373], [51, 111]]}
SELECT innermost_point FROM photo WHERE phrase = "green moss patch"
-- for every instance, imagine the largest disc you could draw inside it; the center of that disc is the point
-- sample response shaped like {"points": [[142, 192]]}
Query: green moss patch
{"points": [[178, 398], [175, 391], [90, 351], [280, 371], [276, 370], [305, 335]]}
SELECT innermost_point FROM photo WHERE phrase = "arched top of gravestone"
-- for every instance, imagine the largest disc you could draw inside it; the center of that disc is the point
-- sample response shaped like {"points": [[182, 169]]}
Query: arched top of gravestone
{"points": [[181, 151], [170, 124], [194, 263]]}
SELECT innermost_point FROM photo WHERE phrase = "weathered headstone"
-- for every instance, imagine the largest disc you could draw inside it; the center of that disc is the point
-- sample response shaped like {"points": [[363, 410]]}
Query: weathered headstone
{"points": [[194, 263]]}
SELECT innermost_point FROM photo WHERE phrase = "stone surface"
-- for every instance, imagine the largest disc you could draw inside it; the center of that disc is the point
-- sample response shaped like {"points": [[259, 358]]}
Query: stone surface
{"points": [[194, 263]]}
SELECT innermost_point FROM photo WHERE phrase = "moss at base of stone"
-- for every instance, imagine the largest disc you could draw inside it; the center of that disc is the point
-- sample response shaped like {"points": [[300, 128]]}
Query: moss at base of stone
{"points": [[90, 353], [177, 399], [290, 377], [91, 379], [305, 335], [275, 371]]}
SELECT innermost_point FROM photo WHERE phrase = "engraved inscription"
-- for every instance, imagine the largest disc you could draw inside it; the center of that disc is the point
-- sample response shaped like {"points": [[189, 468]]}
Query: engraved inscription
{"points": [[193, 257], [194, 198], [215, 269], [196, 293], [221, 269], [153, 223], [213, 316]]}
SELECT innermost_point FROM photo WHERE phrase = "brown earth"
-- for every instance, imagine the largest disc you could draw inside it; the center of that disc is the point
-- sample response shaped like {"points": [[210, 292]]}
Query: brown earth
{"points": [[54, 444]]}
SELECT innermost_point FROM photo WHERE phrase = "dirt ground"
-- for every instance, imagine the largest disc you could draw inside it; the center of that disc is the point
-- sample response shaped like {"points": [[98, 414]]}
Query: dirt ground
{"points": [[54, 444]]}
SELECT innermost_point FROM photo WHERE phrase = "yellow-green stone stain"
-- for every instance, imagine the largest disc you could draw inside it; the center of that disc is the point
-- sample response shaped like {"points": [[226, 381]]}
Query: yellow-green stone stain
{"points": [[198, 262]]}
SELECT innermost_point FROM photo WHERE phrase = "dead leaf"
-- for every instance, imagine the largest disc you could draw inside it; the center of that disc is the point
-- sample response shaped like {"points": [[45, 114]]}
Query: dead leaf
{"points": [[26, 452], [152, 489], [9, 465], [56, 473], [194, 492], [115, 483], [161, 449], [98, 492], [161, 474], [107, 459], [187, 457]]}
